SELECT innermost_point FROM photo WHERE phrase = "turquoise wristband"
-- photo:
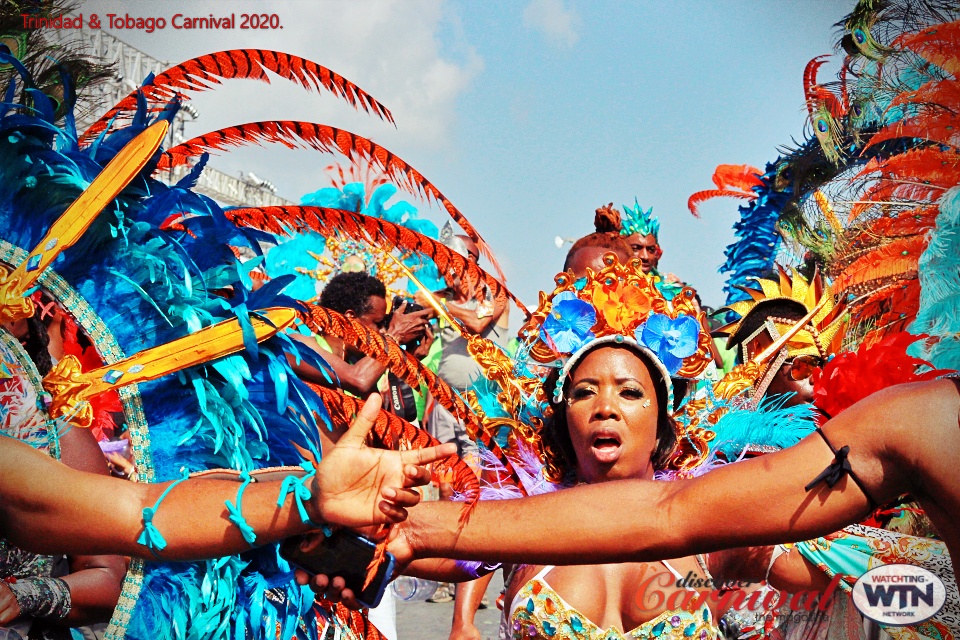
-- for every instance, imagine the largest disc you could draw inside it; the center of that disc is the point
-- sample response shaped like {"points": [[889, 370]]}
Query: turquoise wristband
{"points": [[236, 517], [298, 487]]}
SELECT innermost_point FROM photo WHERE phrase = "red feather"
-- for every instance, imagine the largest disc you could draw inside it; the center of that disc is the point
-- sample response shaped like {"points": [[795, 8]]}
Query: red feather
{"points": [[737, 176], [284, 220], [938, 44], [854, 375], [702, 196], [935, 125], [936, 93], [928, 164], [329, 139], [200, 74], [810, 78]]}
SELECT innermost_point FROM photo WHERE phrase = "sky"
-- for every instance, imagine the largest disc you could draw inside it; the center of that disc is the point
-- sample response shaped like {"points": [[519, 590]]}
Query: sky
{"points": [[529, 114]]}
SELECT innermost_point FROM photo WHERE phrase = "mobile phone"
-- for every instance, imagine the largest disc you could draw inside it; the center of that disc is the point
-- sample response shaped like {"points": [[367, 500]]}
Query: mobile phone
{"points": [[347, 555]]}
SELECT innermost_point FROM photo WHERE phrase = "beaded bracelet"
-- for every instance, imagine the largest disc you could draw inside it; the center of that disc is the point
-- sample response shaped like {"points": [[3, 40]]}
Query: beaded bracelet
{"points": [[298, 487], [150, 537], [236, 517], [42, 597]]}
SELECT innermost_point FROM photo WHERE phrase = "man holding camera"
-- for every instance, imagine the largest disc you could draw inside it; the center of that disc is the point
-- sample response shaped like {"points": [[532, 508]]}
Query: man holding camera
{"points": [[362, 297]]}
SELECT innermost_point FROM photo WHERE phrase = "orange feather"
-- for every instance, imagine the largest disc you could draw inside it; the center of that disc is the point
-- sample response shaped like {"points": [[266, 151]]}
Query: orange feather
{"points": [[204, 72], [328, 139]]}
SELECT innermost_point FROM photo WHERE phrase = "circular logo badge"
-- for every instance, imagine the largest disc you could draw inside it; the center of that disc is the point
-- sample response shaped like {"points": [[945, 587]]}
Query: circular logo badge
{"points": [[899, 594]]}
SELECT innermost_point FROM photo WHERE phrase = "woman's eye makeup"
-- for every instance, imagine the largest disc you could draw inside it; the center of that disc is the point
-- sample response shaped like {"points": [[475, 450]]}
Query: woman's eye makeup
{"points": [[630, 393], [582, 392]]}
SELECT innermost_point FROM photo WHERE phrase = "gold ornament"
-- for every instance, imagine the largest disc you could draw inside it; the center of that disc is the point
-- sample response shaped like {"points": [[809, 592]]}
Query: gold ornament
{"points": [[71, 388]]}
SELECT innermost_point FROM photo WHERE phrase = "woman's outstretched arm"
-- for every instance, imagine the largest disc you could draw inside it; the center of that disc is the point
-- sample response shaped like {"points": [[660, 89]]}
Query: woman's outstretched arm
{"points": [[46, 507], [757, 502]]}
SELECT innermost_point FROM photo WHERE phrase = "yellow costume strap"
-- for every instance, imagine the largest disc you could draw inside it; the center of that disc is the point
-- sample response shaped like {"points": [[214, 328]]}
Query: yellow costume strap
{"points": [[71, 388]]}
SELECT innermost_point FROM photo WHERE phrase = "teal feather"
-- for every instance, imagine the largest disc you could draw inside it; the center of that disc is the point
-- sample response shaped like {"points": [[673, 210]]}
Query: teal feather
{"points": [[771, 424], [939, 272]]}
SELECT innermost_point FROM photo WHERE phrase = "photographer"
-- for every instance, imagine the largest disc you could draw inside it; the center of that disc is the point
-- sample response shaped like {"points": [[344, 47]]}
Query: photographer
{"points": [[362, 297]]}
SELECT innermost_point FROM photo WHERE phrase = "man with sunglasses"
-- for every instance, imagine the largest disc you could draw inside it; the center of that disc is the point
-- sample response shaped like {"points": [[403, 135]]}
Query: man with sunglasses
{"points": [[774, 305]]}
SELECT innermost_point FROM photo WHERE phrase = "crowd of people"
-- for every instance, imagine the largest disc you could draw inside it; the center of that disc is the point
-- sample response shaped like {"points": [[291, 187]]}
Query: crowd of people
{"points": [[184, 387]]}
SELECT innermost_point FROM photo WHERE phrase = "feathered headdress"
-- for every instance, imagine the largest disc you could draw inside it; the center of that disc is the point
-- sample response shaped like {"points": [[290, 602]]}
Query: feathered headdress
{"points": [[817, 338]]}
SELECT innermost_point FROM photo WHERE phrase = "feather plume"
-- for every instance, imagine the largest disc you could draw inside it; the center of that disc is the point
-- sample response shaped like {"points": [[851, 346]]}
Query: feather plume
{"points": [[328, 139], [702, 196], [892, 260], [205, 72], [733, 181]]}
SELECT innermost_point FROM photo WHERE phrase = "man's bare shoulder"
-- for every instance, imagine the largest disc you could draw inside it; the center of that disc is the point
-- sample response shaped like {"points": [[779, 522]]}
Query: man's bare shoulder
{"points": [[906, 399]]}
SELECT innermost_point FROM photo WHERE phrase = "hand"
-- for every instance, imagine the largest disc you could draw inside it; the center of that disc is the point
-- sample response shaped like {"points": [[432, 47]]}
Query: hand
{"points": [[9, 607], [354, 479], [405, 327], [672, 279], [120, 466], [465, 631], [423, 349]]}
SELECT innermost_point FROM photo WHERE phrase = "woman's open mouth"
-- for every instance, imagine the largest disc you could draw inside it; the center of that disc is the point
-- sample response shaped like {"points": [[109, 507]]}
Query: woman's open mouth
{"points": [[606, 448]]}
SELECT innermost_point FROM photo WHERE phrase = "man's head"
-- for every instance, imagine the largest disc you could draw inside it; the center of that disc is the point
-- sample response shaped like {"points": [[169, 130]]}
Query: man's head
{"points": [[642, 230], [588, 251], [758, 330], [357, 295], [646, 248]]}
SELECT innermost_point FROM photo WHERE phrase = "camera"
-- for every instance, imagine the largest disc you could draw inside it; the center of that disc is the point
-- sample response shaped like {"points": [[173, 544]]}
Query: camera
{"points": [[412, 307]]}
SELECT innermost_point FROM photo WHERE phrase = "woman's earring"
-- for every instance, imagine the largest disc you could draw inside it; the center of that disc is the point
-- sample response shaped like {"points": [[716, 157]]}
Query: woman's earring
{"points": [[646, 403]]}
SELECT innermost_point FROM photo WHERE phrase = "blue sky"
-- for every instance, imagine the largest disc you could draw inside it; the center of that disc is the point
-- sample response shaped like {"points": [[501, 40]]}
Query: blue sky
{"points": [[530, 114]]}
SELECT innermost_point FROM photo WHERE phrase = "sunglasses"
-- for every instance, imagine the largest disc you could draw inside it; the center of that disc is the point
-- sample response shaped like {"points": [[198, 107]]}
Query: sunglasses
{"points": [[802, 367]]}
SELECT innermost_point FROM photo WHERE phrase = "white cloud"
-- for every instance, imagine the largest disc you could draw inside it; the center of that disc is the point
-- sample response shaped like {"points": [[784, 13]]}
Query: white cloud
{"points": [[554, 20], [390, 48]]}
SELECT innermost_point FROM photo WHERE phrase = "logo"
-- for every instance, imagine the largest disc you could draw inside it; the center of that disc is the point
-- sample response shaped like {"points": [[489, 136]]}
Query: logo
{"points": [[899, 594]]}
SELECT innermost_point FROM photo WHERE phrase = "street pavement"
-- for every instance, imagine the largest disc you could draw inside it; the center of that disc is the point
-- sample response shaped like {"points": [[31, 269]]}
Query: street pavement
{"points": [[431, 621]]}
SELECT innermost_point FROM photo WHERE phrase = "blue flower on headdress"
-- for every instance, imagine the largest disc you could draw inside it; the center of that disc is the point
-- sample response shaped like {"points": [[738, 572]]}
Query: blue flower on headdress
{"points": [[671, 340], [567, 328]]}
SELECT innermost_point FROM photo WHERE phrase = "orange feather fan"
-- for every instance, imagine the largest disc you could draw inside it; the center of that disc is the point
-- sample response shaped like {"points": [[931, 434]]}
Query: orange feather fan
{"points": [[287, 219]]}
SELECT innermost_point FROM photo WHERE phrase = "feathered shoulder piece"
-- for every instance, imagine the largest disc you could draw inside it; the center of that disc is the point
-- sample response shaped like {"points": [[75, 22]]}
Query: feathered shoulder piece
{"points": [[854, 375]]}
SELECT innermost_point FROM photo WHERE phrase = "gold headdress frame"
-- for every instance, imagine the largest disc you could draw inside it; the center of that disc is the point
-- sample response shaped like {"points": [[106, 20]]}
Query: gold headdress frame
{"points": [[617, 285]]}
